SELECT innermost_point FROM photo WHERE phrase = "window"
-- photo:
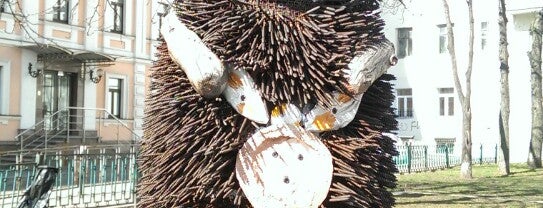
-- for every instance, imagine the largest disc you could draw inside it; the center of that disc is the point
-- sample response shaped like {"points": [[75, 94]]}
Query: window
{"points": [[61, 11], [4, 88], [443, 38], [114, 94], [444, 145], [118, 12], [162, 12], [405, 103], [405, 43], [484, 31], [446, 101], [4, 6], [1, 88]]}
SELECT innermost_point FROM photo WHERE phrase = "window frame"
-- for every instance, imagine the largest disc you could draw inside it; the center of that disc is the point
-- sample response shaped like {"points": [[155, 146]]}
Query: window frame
{"points": [[484, 35], [401, 36], [445, 35], [404, 103], [446, 101], [123, 103], [5, 82], [2, 6], [57, 11], [115, 5], [2, 88], [442, 47]]}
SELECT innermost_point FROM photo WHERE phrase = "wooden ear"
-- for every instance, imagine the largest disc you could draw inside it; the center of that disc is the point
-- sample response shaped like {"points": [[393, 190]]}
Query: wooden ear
{"points": [[242, 95]]}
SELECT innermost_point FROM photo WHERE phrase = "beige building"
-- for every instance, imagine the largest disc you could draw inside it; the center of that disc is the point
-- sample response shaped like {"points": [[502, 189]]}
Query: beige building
{"points": [[91, 55]]}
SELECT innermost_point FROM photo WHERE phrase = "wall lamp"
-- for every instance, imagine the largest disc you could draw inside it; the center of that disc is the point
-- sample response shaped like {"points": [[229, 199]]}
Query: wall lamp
{"points": [[98, 77], [33, 73]]}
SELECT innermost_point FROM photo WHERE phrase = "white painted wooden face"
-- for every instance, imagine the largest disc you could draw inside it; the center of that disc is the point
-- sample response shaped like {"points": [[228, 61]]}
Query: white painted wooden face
{"points": [[242, 95], [284, 166], [335, 117]]}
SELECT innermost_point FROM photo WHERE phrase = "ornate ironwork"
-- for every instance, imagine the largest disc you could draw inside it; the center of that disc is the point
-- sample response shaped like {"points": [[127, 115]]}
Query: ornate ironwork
{"points": [[33, 73], [96, 79]]}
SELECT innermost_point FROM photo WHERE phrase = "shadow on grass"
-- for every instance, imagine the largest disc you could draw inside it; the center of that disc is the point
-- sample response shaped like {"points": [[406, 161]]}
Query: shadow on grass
{"points": [[460, 200], [520, 187], [521, 172]]}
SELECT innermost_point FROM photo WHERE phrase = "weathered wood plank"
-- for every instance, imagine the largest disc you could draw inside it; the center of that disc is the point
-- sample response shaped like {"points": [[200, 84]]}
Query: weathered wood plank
{"points": [[203, 68], [284, 166], [370, 65]]}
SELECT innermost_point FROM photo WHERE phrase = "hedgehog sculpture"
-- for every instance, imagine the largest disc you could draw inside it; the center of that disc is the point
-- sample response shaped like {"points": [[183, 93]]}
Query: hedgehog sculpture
{"points": [[278, 103]]}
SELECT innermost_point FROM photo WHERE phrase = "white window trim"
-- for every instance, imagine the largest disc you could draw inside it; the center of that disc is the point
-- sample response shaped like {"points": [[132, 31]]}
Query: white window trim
{"points": [[9, 5], [405, 104], [446, 97], [124, 94], [407, 54], [483, 35], [128, 7], [73, 13], [5, 87]]}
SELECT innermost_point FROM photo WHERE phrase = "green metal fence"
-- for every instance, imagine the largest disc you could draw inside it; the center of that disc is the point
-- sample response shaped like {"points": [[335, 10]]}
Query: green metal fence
{"points": [[87, 177], [107, 175], [419, 158]]}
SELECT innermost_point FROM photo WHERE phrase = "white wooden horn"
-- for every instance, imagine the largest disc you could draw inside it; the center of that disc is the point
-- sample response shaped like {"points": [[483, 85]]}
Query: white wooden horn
{"points": [[370, 65], [202, 67]]}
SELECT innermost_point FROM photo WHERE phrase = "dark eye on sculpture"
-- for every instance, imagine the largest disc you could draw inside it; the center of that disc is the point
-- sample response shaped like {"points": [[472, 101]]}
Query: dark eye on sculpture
{"points": [[334, 110], [242, 97]]}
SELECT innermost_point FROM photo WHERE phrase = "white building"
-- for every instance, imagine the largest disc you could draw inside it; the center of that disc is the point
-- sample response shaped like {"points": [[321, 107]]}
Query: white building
{"points": [[428, 107]]}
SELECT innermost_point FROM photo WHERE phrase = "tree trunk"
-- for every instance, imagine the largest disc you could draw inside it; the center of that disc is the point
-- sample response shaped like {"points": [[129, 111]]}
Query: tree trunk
{"points": [[534, 154], [465, 168], [465, 101], [503, 153]]}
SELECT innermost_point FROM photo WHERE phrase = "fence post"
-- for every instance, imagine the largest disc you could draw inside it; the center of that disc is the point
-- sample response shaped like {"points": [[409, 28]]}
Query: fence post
{"points": [[481, 155], [68, 126], [409, 158], [447, 156], [425, 157]]}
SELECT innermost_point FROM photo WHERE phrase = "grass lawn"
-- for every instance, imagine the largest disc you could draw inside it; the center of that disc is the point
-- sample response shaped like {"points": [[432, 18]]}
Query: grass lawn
{"points": [[444, 188]]}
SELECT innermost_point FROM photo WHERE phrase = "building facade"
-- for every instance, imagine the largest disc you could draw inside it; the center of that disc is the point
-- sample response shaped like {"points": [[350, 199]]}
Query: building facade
{"points": [[93, 56], [428, 108]]}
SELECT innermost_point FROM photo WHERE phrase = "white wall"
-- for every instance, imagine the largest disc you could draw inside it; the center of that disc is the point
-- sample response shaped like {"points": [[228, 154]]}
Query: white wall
{"points": [[519, 76], [28, 90], [89, 101], [426, 70]]}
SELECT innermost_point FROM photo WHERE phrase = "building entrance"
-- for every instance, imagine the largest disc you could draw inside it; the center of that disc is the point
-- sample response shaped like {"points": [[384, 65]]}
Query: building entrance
{"points": [[58, 93]]}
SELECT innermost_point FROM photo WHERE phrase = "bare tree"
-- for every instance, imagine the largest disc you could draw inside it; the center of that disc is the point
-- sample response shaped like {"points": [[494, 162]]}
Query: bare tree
{"points": [[465, 100], [534, 154], [503, 153]]}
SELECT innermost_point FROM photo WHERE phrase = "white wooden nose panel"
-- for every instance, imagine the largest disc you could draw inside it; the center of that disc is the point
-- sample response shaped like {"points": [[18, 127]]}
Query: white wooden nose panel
{"points": [[284, 166]]}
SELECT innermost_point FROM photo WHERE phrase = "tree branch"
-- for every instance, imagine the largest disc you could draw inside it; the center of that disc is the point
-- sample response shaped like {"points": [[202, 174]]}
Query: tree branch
{"points": [[452, 53]]}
